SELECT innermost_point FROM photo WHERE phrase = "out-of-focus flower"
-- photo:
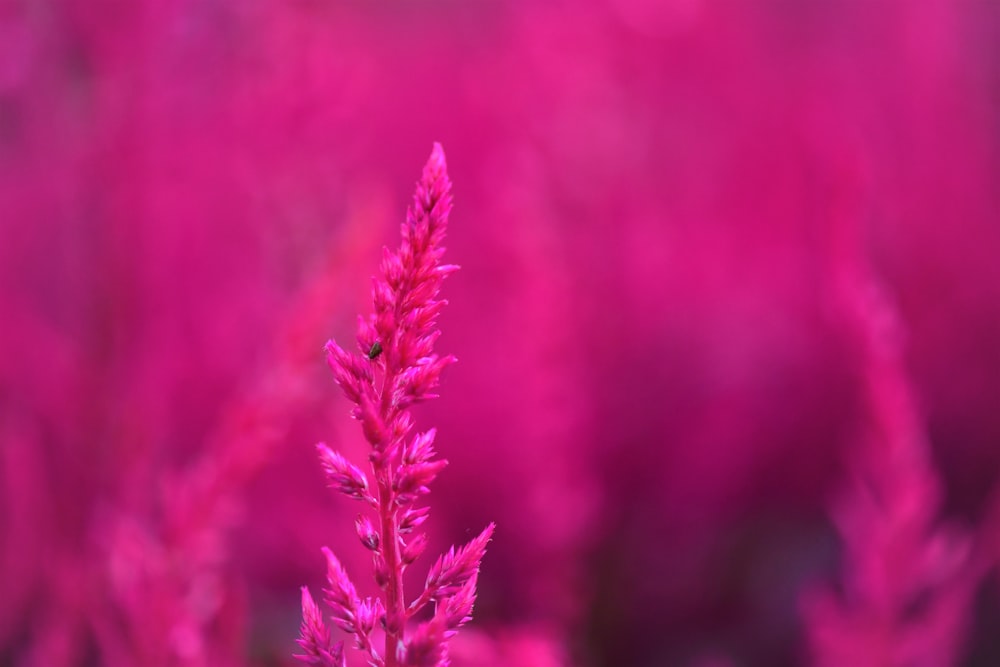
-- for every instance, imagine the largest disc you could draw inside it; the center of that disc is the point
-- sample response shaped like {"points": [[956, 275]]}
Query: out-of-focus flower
{"points": [[907, 577]]}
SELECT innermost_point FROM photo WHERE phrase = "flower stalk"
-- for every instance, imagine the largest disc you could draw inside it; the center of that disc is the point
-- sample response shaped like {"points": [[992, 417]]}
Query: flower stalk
{"points": [[907, 589], [394, 368]]}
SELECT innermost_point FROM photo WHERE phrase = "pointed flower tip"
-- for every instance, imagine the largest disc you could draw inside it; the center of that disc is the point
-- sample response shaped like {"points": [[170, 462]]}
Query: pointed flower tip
{"points": [[341, 474], [451, 570], [312, 618], [314, 636], [437, 156], [437, 166], [484, 538]]}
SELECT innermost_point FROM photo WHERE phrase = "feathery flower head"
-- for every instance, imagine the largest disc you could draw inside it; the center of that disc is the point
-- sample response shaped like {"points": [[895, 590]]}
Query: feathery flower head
{"points": [[396, 341], [395, 366], [315, 637], [907, 585]]}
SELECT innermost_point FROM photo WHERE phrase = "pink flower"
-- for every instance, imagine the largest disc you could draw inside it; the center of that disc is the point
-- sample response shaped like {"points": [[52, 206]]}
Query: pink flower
{"points": [[394, 367], [907, 582], [315, 637]]}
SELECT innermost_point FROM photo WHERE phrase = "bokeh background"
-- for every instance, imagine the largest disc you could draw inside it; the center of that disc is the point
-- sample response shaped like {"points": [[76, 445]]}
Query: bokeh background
{"points": [[655, 399]]}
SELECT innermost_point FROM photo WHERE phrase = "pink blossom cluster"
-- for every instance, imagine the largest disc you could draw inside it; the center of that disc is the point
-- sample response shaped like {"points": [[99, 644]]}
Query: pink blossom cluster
{"points": [[908, 578], [394, 368]]}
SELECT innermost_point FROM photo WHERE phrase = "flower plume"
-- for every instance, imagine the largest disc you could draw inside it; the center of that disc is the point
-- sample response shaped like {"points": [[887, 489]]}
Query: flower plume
{"points": [[908, 584], [395, 366]]}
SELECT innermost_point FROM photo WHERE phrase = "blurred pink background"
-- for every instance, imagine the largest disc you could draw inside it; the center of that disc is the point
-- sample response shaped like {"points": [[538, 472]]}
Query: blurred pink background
{"points": [[655, 396]]}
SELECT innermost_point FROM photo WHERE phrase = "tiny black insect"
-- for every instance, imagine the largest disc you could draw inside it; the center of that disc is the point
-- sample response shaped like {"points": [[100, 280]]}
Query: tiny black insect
{"points": [[375, 351]]}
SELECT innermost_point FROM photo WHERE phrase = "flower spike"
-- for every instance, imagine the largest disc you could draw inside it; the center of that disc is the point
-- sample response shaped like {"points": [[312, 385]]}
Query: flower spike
{"points": [[394, 367]]}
